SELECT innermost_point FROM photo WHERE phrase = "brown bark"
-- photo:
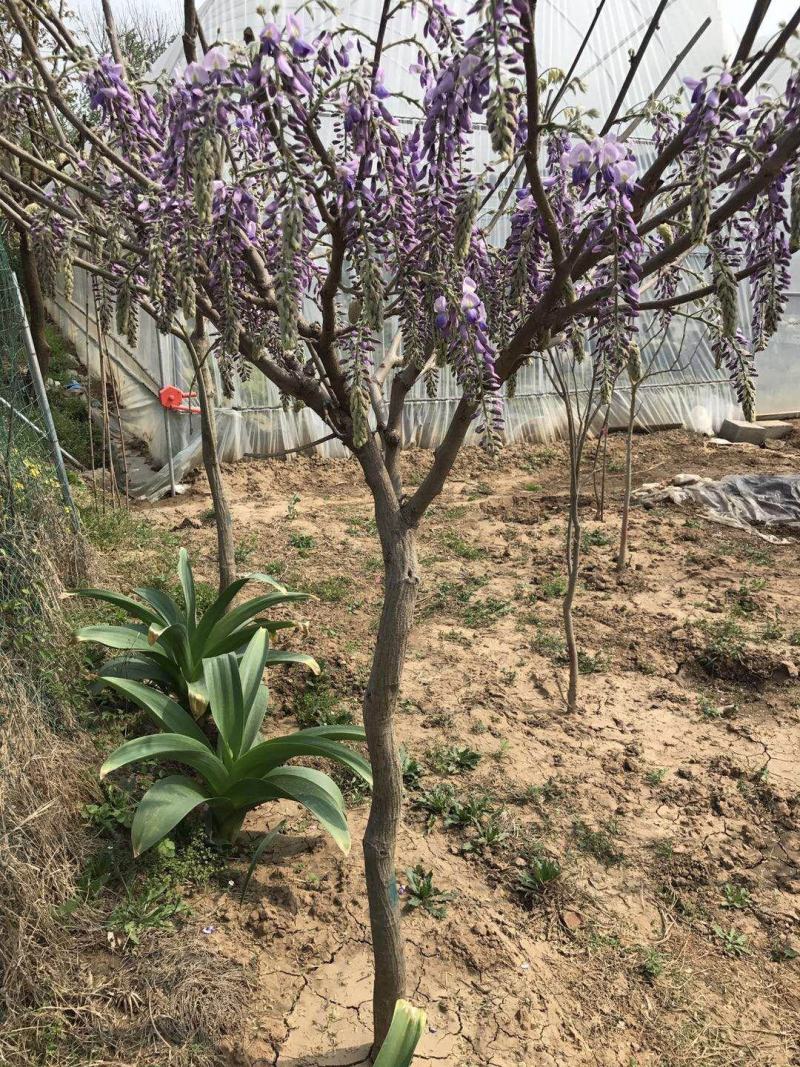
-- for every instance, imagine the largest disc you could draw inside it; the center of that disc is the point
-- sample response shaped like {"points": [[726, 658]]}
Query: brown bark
{"points": [[37, 316], [226, 557], [401, 576]]}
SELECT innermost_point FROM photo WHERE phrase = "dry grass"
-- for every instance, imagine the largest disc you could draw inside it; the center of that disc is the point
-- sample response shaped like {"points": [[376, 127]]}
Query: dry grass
{"points": [[65, 999]]}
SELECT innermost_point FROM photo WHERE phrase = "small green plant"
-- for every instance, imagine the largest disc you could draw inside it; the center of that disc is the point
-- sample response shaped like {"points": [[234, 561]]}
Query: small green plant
{"points": [[411, 769], [597, 843], [291, 507], [112, 813], [734, 943], [724, 647], [318, 705], [456, 544], [420, 892], [596, 538], [483, 612], [553, 588], [245, 548], [589, 663], [708, 710], [304, 543], [152, 908], [469, 812], [736, 896], [538, 876], [170, 644], [490, 836], [653, 964], [743, 599], [453, 759], [655, 777], [437, 802], [332, 590], [245, 771]]}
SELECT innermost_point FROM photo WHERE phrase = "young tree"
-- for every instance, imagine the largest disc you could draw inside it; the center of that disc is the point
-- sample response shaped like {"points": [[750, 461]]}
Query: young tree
{"points": [[272, 177]]}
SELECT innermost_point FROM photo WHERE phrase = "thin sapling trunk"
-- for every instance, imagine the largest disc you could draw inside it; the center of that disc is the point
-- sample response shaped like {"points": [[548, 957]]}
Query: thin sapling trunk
{"points": [[223, 518]]}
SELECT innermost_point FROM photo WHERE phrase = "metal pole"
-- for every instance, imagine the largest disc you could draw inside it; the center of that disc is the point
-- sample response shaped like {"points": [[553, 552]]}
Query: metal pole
{"points": [[44, 404], [167, 427], [37, 429]]}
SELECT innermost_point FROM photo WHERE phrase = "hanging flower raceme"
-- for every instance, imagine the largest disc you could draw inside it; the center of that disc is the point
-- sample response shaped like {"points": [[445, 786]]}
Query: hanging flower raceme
{"points": [[735, 354], [604, 170], [461, 321]]}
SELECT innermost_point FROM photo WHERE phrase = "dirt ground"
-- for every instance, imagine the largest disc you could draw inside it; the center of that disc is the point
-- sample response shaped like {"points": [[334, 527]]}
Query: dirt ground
{"points": [[670, 801]]}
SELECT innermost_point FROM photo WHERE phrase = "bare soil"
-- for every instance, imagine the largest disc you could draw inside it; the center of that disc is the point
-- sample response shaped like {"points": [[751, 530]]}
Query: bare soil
{"points": [[670, 801]]}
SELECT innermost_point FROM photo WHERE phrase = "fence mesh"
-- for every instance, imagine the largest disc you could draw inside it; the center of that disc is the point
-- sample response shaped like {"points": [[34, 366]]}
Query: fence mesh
{"points": [[37, 540]]}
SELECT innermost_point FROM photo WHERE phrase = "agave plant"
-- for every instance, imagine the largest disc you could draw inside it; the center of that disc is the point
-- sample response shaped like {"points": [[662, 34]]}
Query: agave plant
{"points": [[398, 1048], [169, 645], [243, 770]]}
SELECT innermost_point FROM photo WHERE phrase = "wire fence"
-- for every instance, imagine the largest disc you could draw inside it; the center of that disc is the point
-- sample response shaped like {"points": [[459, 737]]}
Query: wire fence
{"points": [[39, 540]]}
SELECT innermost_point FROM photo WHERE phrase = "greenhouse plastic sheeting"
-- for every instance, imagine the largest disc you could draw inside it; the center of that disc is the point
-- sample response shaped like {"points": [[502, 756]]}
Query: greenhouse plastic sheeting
{"points": [[747, 501], [687, 389]]}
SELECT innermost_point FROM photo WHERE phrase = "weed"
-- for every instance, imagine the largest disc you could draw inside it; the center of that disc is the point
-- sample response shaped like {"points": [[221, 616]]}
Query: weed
{"points": [[456, 544], [743, 599], [358, 527], [245, 548], [734, 943], [112, 813], [532, 487], [331, 590], [291, 507], [736, 896], [538, 876], [548, 644], [540, 457], [655, 777], [547, 793], [708, 710], [653, 963], [451, 759], [469, 812], [490, 836], [483, 612], [597, 843], [665, 848], [304, 543], [783, 952], [772, 630], [589, 663], [450, 595], [420, 892], [596, 538], [553, 588], [153, 908], [724, 646], [411, 769], [438, 802], [794, 638], [318, 705]]}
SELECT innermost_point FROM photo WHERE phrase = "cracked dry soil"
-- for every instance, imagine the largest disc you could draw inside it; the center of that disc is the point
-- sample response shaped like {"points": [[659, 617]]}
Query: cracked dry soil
{"points": [[670, 800]]}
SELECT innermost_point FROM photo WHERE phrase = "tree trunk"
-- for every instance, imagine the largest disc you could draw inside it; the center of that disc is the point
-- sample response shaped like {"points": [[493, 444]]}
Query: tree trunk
{"points": [[37, 316], [622, 554], [401, 577], [573, 567], [226, 557]]}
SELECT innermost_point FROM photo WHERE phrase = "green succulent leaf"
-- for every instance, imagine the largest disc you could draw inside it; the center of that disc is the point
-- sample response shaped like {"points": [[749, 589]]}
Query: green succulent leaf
{"points": [[119, 600], [244, 614], [144, 667], [314, 790], [224, 686], [267, 755], [165, 712], [195, 754], [129, 638], [164, 805], [269, 837], [187, 585], [408, 1026], [162, 603]]}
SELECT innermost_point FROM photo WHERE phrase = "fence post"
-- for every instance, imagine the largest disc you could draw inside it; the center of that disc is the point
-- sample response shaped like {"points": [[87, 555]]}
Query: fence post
{"points": [[44, 406]]}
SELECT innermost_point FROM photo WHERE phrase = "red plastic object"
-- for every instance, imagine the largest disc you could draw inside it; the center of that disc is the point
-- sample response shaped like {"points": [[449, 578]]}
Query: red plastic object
{"points": [[172, 399]]}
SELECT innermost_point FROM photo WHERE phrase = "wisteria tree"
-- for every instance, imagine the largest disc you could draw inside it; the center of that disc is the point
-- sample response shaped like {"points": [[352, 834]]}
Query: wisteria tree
{"points": [[268, 189]]}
